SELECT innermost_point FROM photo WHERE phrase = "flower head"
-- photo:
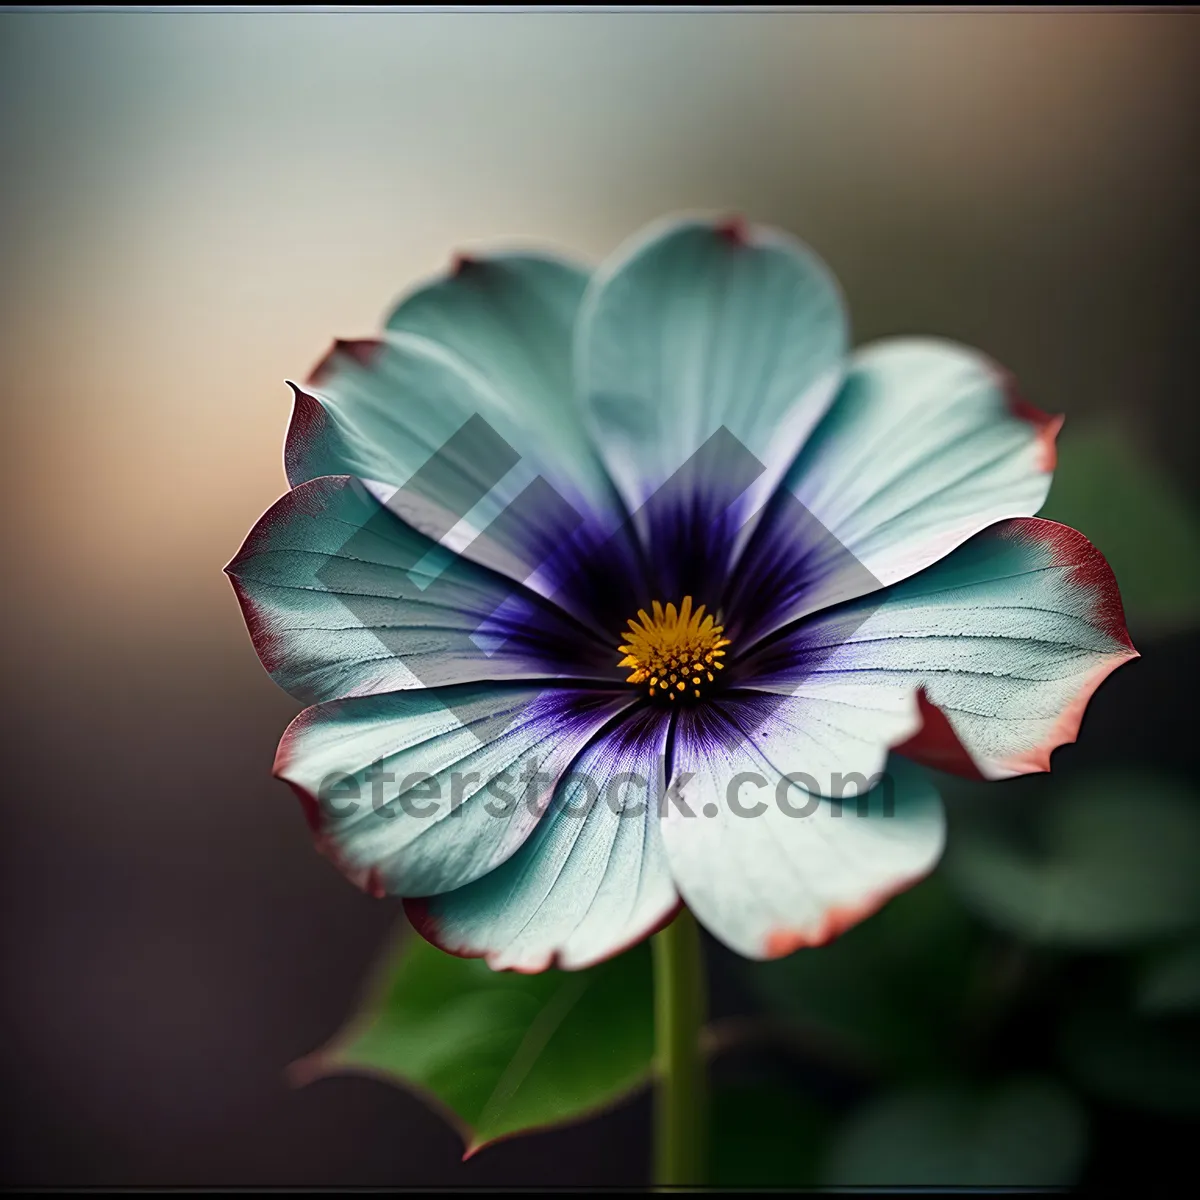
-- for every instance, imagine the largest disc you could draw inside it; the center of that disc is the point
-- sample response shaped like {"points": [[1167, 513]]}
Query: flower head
{"points": [[619, 589]]}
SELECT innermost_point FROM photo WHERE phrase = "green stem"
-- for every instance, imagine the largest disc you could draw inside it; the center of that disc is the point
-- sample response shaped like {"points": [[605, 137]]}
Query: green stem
{"points": [[679, 1012]]}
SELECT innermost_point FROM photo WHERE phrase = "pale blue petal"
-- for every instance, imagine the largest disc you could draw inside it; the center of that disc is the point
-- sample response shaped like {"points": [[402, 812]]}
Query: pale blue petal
{"points": [[1004, 641], [926, 444], [767, 866], [416, 793], [510, 317], [344, 598], [464, 403], [591, 879], [700, 326]]}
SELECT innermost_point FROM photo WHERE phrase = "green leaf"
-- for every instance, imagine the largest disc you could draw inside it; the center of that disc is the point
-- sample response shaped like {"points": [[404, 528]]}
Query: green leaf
{"points": [[1115, 865], [890, 990], [1170, 981], [766, 1135], [1139, 1063], [1024, 1133], [500, 1053], [1132, 511]]}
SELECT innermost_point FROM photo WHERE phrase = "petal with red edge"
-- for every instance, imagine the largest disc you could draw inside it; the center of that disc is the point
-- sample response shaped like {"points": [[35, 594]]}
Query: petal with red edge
{"points": [[1003, 641], [592, 878], [344, 598], [926, 444], [511, 318], [767, 865], [489, 343], [416, 793], [701, 326]]}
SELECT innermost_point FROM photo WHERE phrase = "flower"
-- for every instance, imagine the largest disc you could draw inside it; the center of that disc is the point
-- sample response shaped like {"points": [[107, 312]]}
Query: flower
{"points": [[603, 587]]}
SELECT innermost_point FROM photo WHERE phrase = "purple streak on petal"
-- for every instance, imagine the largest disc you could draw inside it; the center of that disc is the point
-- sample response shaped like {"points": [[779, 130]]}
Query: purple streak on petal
{"points": [[592, 877], [337, 615], [689, 524], [791, 566], [567, 557], [678, 543], [526, 740]]}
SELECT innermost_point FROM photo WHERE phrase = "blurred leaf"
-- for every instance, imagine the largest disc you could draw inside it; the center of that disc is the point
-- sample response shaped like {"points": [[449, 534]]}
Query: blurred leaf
{"points": [[1149, 1064], [499, 1053], [1170, 981], [766, 1136], [1023, 1133], [1137, 517], [893, 986], [1116, 865]]}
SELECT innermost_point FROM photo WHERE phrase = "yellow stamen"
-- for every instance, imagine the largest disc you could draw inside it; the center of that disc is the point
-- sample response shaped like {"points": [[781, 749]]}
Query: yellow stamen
{"points": [[673, 648]]}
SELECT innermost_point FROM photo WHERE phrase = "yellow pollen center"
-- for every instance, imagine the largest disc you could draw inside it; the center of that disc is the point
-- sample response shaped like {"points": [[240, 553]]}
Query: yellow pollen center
{"points": [[676, 651]]}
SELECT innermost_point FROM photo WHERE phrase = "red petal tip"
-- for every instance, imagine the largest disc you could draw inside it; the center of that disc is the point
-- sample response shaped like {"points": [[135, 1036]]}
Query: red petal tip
{"points": [[1066, 728], [361, 350], [1090, 570], [836, 921], [304, 431], [1047, 425], [734, 230], [935, 744], [416, 909]]}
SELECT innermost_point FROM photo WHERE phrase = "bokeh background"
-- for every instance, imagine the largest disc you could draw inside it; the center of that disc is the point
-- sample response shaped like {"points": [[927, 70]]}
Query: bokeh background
{"points": [[195, 203]]}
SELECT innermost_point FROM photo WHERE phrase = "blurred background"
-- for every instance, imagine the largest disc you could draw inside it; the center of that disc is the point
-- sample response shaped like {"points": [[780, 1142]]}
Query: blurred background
{"points": [[195, 203]]}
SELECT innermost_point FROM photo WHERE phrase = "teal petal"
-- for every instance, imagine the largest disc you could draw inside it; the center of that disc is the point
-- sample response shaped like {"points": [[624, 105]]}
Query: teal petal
{"points": [[510, 318], [926, 444], [383, 407], [416, 793], [831, 727], [592, 878], [1003, 642], [344, 598], [775, 877], [701, 325], [481, 356]]}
